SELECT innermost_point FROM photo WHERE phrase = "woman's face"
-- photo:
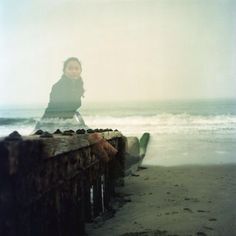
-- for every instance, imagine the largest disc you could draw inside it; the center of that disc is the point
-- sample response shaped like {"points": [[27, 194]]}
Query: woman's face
{"points": [[72, 70]]}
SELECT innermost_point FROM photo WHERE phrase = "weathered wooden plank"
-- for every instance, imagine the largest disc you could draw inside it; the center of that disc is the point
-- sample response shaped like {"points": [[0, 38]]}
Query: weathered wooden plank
{"points": [[97, 197], [45, 183]]}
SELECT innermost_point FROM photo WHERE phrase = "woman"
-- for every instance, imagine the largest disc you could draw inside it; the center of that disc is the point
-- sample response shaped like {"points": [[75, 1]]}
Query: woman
{"points": [[61, 112], [65, 99]]}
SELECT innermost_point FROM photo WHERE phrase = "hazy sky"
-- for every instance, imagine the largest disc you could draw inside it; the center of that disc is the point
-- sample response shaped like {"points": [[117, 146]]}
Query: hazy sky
{"points": [[129, 49]]}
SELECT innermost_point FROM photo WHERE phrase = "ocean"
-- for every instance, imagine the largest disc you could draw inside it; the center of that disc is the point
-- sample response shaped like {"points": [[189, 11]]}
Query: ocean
{"points": [[182, 132]]}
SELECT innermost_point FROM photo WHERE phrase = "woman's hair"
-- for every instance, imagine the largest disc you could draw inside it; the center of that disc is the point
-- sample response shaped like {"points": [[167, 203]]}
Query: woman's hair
{"points": [[70, 59]]}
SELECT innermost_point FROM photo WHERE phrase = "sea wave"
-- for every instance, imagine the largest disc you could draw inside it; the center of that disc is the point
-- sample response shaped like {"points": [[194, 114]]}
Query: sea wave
{"points": [[14, 121], [159, 123], [167, 123], [164, 118]]}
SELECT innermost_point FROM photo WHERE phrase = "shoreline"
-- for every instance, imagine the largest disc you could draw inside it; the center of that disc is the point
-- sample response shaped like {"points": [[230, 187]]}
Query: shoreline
{"points": [[178, 200]]}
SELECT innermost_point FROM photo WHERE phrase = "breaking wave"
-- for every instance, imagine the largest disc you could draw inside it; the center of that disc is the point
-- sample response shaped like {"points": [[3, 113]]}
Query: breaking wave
{"points": [[157, 124], [167, 123], [13, 121]]}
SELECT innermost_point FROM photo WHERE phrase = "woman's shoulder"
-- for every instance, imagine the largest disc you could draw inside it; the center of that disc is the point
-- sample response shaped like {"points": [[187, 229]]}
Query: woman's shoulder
{"points": [[67, 84], [60, 83]]}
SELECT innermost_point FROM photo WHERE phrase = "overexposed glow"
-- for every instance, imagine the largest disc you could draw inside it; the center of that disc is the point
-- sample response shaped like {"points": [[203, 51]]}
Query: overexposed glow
{"points": [[130, 50]]}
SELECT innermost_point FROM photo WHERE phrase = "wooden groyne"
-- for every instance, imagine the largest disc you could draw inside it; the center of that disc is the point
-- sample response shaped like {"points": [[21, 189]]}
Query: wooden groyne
{"points": [[52, 184]]}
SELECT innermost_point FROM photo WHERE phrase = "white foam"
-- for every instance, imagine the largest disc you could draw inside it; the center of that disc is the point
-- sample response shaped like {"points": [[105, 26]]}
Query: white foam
{"points": [[165, 123]]}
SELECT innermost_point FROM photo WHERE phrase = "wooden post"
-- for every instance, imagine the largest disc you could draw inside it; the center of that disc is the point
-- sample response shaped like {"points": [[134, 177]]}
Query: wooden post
{"points": [[107, 195], [45, 184], [97, 197], [87, 205]]}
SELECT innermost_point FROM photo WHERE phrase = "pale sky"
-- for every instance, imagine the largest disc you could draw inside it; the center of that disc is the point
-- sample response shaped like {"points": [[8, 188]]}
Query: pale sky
{"points": [[129, 49]]}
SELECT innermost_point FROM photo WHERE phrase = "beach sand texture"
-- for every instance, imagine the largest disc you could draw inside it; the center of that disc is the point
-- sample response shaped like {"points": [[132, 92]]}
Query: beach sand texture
{"points": [[181, 200]]}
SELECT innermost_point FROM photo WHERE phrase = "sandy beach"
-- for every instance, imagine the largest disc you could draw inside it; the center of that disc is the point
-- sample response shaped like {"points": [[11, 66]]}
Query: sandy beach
{"points": [[181, 200]]}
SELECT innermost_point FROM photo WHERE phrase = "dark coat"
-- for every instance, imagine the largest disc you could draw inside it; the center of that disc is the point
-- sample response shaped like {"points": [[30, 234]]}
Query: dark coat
{"points": [[65, 98]]}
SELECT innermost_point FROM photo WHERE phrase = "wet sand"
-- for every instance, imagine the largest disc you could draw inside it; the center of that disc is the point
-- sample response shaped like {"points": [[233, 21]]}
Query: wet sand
{"points": [[183, 200]]}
